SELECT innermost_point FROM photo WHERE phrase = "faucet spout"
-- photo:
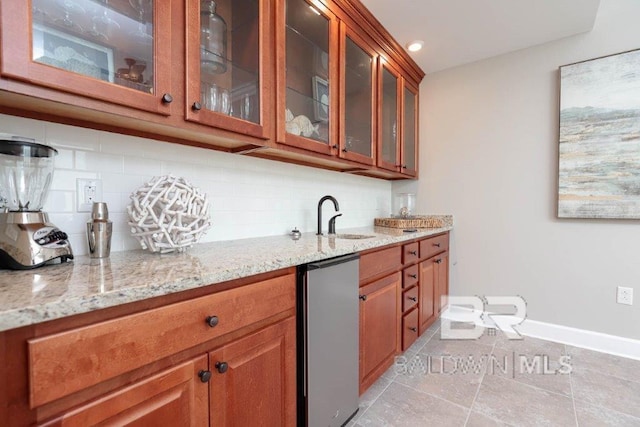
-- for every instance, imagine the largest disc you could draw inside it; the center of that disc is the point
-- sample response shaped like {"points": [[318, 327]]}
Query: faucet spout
{"points": [[335, 205]]}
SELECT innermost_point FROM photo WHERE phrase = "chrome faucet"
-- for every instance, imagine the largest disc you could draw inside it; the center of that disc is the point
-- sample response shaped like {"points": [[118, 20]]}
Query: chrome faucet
{"points": [[335, 205]]}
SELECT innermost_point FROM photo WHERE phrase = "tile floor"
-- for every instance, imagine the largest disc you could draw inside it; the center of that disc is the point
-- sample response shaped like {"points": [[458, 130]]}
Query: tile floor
{"points": [[486, 382]]}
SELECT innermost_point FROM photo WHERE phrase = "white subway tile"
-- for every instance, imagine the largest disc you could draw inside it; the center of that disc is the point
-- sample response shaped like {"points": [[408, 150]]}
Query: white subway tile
{"points": [[138, 166], [66, 179], [99, 162], [60, 201], [71, 137], [70, 223], [125, 145], [21, 126]]}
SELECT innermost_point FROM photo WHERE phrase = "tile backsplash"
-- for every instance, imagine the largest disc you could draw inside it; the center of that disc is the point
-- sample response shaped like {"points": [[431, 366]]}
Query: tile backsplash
{"points": [[249, 197]]}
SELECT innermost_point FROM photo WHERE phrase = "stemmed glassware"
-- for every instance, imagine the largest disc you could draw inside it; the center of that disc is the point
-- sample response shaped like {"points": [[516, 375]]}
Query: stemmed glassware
{"points": [[140, 35], [69, 7], [101, 23]]}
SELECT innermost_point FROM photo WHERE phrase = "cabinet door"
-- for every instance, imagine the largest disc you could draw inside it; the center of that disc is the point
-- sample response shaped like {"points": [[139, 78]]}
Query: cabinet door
{"points": [[410, 130], [115, 51], [254, 379], [228, 54], [390, 119], [442, 282], [358, 93], [428, 283], [174, 397], [379, 327], [307, 110]]}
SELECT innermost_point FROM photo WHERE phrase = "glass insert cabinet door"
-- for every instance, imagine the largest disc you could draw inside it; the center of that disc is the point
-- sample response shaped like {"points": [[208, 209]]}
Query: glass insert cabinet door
{"points": [[358, 95], [104, 49], [410, 132], [389, 118], [309, 106], [224, 63]]}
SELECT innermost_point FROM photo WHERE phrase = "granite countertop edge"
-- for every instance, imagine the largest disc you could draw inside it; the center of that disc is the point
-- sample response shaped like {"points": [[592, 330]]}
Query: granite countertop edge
{"points": [[85, 285]]}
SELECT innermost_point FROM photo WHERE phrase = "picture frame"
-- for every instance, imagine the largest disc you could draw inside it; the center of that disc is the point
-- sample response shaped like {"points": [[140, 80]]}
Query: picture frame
{"points": [[321, 98], [71, 53], [599, 138]]}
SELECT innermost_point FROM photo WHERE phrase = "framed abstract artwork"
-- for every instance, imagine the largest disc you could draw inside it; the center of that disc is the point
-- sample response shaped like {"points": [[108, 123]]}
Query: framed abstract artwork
{"points": [[599, 147]]}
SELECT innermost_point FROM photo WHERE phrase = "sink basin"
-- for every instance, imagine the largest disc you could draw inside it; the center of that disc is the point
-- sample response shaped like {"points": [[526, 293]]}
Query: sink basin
{"points": [[351, 236]]}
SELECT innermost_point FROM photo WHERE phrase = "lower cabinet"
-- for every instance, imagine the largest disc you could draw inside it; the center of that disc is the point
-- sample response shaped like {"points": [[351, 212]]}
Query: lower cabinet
{"points": [[253, 380], [218, 358], [434, 288], [174, 397], [379, 327]]}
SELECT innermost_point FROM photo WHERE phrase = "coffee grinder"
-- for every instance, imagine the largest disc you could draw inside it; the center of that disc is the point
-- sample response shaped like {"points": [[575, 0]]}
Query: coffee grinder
{"points": [[27, 238]]}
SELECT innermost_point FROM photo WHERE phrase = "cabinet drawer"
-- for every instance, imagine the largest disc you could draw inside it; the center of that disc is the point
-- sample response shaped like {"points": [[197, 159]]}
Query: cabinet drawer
{"points": [[379, 262], [410, 276], [70, 361], [410, 253], [409, 329], [434, 245], [409, 299]]}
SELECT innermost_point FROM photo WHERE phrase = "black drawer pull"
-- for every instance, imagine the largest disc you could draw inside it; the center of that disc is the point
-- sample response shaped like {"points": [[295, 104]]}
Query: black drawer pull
{"points": [[212, 321], [414, 253], [437, 245], [413, 276], [413, 328], [363, 297], [414, 299], [438, 261], [222, 367]]}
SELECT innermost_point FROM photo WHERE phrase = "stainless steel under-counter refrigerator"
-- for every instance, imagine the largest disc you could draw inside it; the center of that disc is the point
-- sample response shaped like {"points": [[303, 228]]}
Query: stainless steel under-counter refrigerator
{"points": [[328, 341]]}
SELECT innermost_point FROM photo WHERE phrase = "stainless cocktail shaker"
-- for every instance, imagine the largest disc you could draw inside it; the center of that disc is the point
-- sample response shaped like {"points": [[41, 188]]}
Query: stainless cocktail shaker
{"points": [[99, 230]]}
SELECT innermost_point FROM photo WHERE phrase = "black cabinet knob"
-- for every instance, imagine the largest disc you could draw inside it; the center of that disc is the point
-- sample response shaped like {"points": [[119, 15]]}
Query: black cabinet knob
{"points": [[334, 146], [413, 276], [205, 376], [212, 321], [404, 166], [167, 98], [222, 367], [415, 253], [363, 297], [414, 299], [414, 329], [196, 106], [438, 261], [437, 245], [344, 150]]}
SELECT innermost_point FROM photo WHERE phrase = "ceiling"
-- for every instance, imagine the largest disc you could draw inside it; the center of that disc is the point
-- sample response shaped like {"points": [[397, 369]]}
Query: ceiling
{"points": [[457, 32]]}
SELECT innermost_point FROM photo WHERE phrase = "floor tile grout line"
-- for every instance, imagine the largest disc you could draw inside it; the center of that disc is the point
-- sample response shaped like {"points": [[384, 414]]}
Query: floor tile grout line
{"points": [[377, 397], [573, 397], [493, 347]]}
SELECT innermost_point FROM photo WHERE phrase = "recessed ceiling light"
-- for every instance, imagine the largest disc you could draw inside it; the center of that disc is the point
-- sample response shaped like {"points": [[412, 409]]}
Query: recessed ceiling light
{"points": [[415, 45]]}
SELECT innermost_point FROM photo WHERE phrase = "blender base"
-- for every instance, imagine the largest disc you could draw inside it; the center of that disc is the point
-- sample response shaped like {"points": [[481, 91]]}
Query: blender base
{"points": [[28, 240]]}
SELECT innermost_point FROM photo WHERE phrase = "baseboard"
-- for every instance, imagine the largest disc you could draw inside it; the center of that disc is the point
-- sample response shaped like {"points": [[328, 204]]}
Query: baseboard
{"points": [[596, 341]]}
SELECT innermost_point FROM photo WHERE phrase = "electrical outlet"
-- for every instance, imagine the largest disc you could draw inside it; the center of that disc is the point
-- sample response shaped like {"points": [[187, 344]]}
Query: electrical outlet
{"points": [[88, 191], [625, 295]]}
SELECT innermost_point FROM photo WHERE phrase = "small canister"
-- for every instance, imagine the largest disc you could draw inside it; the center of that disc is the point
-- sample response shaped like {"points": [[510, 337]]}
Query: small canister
{"points": [[99, 231]]}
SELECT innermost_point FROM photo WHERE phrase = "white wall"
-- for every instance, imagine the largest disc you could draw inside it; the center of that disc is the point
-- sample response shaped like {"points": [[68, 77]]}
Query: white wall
{"points": [[489, 135], [250, 197]]}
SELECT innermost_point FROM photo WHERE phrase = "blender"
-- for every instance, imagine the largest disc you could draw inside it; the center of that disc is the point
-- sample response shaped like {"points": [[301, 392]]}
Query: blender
{"points": [[27, 239]]}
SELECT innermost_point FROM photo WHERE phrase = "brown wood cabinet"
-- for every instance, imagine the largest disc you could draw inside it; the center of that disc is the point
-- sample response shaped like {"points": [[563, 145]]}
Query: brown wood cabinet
{"points": [[195, 358], [253, 380], [175, 397], [139, 67], [421, 269], [379, 327]]}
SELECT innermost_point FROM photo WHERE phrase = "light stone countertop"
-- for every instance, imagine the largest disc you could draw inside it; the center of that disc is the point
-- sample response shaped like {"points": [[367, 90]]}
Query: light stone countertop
{"points": [[84, 285]]}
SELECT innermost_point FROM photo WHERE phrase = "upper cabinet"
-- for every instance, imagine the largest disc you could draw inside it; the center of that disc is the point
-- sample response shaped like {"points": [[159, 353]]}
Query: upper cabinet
{"points": [[228, 66], [117, 51], [358, 88], [409, 146], [316, 82], [308, 89]]}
